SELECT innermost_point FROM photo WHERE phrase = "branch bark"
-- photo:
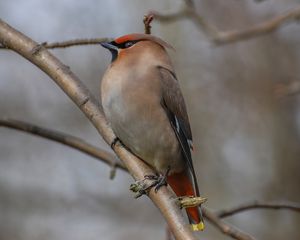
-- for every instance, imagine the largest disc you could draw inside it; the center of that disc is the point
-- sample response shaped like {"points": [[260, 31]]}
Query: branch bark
{"points": [[224, 227], [63, 138], [72, 86], [71, 43], [259, 205]]}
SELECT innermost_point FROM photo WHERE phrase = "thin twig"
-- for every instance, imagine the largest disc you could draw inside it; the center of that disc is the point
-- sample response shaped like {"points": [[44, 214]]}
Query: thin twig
{"points": [[63, 138], [71, 43], [223, 37], [259, 205], [188, 12], [74, 88], [290, 88], [224, 227], [190, 3], [147, 23], [259, 29]]}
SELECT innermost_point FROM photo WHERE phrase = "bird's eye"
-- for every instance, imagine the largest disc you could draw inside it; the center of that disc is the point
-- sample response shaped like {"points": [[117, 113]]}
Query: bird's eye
{"points": [[128, 44]]}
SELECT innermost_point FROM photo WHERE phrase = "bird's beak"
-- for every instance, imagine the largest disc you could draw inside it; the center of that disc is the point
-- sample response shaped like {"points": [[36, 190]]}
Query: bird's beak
{"points": [[109, 46]]}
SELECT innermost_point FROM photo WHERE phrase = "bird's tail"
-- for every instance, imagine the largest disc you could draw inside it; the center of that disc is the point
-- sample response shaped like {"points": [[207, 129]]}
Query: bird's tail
{"points": [[182, 186]]}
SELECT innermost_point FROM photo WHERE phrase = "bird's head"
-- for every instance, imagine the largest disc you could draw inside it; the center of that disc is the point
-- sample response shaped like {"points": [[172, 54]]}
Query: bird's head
{"points": [[127, 43]]}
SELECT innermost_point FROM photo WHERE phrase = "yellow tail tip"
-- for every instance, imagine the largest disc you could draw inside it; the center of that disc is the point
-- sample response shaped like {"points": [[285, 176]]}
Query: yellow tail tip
{"points": [[198, 227]]}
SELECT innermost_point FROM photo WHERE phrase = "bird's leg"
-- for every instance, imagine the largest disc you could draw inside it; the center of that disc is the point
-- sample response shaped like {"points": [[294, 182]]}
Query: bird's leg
{"points": [[159, 180]]}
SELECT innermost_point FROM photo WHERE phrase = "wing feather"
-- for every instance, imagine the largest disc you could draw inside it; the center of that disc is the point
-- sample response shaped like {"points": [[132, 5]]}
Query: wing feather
{"points": [[174, 105]]}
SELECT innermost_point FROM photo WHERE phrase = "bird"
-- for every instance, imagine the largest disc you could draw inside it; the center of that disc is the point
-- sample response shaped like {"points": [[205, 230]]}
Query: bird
{"points": [[143, 103]]}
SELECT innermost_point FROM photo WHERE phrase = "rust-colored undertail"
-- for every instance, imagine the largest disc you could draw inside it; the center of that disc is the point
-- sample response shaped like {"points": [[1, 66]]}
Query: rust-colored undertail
{"points": [[183, 186]]}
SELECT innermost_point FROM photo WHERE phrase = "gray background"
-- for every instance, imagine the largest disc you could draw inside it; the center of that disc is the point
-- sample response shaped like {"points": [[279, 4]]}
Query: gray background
{"points": [[246, 139]]}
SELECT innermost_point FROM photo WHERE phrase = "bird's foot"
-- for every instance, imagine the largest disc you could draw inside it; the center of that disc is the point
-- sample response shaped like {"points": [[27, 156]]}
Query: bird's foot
{"points": [[141, 187], [159, 180]]}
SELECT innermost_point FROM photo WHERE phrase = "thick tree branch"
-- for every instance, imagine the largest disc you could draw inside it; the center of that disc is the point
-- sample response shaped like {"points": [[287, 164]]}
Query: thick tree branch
{"points": [[259, 205], [65, 139], [79, 94], [222, 37]]}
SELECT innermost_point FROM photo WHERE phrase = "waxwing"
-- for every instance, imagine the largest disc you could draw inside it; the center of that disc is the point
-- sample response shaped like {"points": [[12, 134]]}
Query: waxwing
{"points": [[143, 103]]}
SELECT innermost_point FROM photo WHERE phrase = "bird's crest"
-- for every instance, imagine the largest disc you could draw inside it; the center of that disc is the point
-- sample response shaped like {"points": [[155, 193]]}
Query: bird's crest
{"points": [[140, 37]]}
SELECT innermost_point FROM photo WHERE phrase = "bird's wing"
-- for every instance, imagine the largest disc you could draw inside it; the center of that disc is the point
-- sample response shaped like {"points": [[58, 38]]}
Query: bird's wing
{"points": [[174, 105]]}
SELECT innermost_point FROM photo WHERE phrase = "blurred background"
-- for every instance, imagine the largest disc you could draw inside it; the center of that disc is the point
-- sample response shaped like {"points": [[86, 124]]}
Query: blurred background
{"points": [[246, 136]]}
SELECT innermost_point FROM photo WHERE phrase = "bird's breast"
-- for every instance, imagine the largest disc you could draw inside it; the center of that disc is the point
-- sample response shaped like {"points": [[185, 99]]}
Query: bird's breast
{"points": [[133, 108]]}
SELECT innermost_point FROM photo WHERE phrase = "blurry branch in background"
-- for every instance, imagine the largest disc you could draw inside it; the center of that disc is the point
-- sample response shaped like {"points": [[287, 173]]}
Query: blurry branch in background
{"points": [[290, 88], [81, 96], [189, 3], [188, 11], [225, 228], [259, 205], [259, 1], [65, 139]]}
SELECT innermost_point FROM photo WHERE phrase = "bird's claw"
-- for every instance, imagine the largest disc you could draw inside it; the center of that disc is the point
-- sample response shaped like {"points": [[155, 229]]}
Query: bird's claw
{"points": [[158, 181]]}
